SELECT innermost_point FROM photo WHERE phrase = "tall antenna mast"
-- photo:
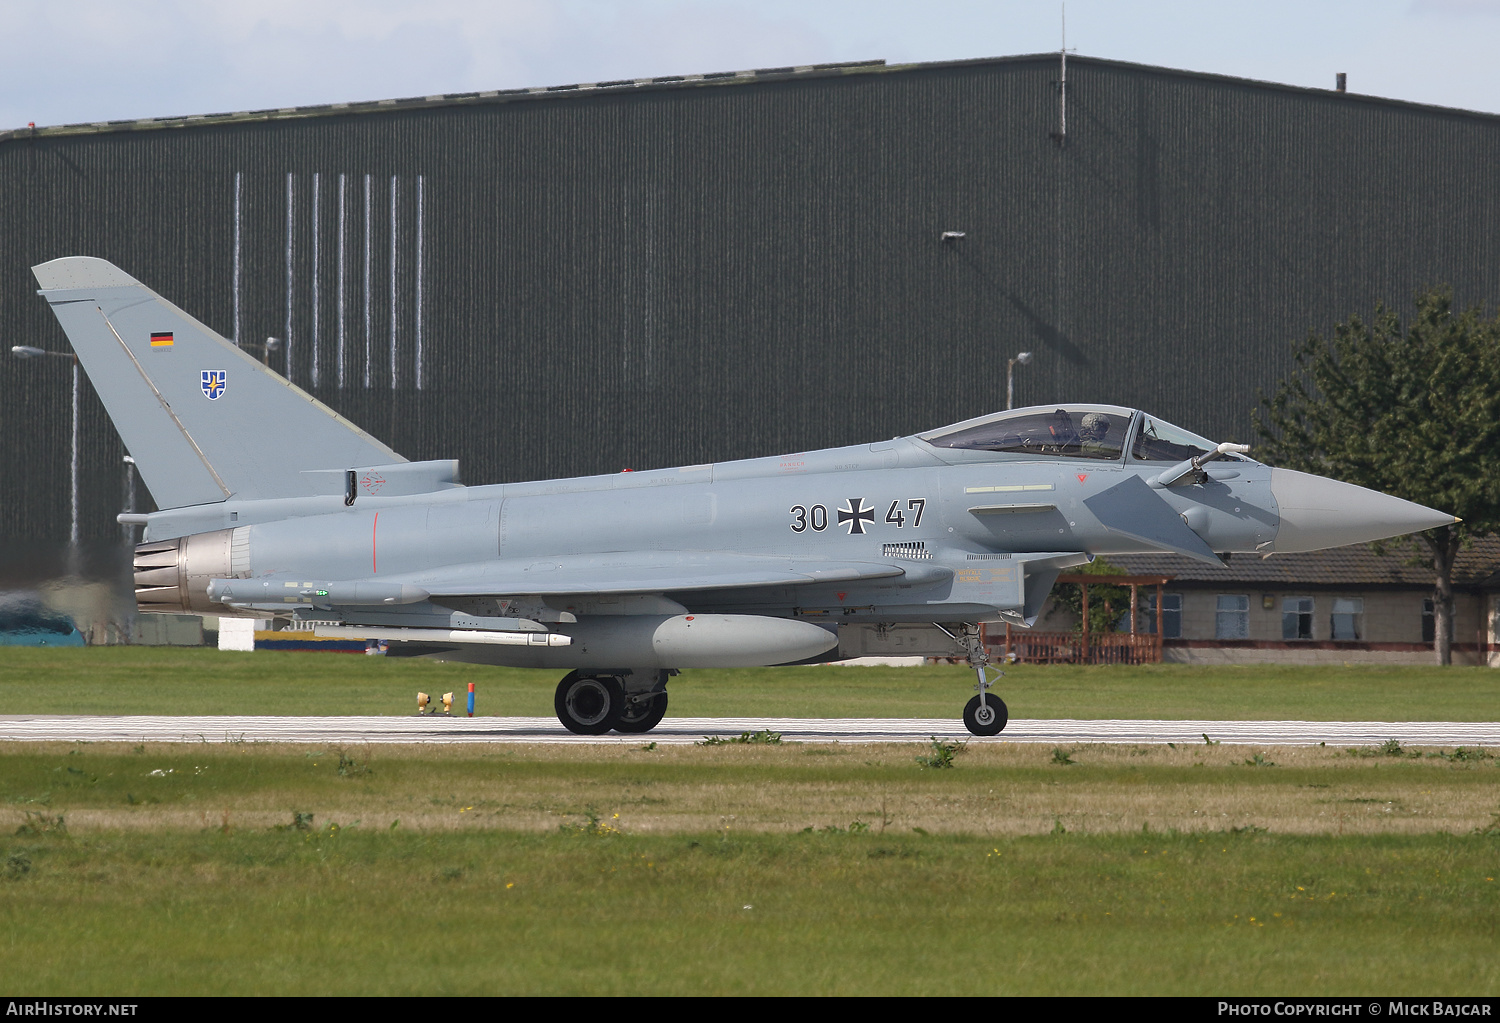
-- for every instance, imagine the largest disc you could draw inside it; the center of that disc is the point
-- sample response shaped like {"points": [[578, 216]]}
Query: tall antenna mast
{"points": [[1062, 91], [1061, 135]]}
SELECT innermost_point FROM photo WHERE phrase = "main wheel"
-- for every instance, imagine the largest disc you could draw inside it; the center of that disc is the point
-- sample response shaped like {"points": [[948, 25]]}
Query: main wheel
{"points": [[589, 704], [643, 715], [989, 719]]}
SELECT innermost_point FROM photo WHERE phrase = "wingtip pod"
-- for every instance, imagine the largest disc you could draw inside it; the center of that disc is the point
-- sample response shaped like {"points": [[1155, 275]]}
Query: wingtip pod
{"points": [[70, 273]]}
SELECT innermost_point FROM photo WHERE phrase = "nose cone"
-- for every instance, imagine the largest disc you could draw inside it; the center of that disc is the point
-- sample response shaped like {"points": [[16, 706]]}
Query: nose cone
{"points": [[1318, 513]]}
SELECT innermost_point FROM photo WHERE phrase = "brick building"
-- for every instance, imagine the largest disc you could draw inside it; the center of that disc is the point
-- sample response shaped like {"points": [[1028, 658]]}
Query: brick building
{"points": [[1347, 605]]}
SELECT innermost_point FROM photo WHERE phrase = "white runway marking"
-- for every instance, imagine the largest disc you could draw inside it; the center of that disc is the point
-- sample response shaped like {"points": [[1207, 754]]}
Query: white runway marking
{"points": [[687, 730]]}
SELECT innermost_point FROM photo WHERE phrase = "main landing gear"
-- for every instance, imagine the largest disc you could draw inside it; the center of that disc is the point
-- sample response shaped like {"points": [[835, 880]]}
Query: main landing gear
{"points": [[629, 701], [984, 714]]}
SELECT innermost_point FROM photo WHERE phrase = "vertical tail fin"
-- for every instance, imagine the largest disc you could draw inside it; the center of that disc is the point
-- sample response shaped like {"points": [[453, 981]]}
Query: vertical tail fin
{"points": [[202, 419]]}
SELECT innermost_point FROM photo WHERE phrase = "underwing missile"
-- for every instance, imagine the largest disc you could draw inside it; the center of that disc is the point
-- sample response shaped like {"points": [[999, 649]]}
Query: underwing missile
{"points": [[482, 637]]}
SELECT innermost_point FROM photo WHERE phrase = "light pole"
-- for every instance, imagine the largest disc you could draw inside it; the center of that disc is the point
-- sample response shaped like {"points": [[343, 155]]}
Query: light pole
{"points": [[128, 519], [28, 352], [1010, 378], [272, 344]]}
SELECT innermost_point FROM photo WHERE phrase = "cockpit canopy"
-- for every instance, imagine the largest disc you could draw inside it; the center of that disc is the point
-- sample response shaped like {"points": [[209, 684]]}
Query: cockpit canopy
{"points": [[1074, 431]]}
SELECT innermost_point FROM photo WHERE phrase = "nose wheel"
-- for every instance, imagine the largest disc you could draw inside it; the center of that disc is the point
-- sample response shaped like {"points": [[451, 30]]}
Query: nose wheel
{"points": [[986, 715]]}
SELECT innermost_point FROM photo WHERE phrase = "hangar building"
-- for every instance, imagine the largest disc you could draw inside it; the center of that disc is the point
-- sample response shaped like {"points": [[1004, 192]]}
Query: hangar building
{"points": [[581, 279]]}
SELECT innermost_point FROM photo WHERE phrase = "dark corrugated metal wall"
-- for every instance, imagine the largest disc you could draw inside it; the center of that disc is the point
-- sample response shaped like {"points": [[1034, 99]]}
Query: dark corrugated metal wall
{"points": [[585, 282]]}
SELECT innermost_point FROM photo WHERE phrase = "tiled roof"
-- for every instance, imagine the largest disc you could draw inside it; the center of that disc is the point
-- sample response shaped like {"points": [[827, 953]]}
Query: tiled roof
{"points": [[1359, 565]]}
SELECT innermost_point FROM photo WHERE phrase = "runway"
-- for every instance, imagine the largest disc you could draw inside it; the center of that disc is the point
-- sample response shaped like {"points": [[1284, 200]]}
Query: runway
{"points": [[340, 730]]}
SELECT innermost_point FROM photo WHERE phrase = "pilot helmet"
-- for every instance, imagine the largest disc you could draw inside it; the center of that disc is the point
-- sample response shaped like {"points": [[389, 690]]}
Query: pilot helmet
{"points": [[1095, 425]]}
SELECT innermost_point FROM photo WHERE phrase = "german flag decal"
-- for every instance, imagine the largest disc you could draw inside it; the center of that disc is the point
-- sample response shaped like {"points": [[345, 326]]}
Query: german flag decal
{"points": [[161, 339]]}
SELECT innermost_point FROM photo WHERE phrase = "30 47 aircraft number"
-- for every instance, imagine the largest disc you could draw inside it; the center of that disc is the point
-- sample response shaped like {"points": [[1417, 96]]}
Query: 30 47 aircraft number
{"points": [[855, 516]]}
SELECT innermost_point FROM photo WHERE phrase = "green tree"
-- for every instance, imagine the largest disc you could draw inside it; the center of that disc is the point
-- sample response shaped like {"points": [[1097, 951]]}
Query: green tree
{"points": [[1108, 604], [1408, 409]]}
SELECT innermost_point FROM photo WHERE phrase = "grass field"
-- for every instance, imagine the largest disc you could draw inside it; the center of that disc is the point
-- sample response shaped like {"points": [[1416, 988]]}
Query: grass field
{"points": [[992, 790], [363, 913], [146, 680], [556, 869]]}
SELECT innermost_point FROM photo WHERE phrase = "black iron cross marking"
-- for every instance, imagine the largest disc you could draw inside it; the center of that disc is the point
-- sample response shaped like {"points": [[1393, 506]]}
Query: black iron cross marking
{"points": [[856, 516]]}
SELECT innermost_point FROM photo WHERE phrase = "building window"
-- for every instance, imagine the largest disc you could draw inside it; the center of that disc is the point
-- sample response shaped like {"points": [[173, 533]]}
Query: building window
{"points": [[1171, 616], [1232, 616], [1429, 628], [1348, 618], [1296, 617]]}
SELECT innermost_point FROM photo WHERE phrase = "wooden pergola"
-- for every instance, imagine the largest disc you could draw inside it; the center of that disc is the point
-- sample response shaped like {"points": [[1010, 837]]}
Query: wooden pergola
{"points": [[1134, 647]]}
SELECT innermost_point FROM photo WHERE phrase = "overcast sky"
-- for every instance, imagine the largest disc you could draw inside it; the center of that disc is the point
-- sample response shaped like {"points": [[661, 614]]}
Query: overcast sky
{"points": [[90, 60]]}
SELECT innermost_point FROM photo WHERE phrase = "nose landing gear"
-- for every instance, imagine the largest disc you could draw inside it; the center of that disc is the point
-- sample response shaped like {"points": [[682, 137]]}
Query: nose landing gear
{"points": [[984, 714]]}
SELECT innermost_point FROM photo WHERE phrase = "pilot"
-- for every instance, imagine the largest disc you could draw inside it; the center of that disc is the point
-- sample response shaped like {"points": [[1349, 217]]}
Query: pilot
{"points": [[1092, 431]]}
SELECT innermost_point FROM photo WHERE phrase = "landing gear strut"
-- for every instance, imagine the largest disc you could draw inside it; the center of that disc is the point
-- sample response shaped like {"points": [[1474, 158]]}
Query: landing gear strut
{"points": [[984, 714], [645, 707], [630, 702]]}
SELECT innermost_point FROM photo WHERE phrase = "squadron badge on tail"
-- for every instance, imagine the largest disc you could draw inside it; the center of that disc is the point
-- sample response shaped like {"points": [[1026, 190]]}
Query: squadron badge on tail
{"points": [[214, 382]]}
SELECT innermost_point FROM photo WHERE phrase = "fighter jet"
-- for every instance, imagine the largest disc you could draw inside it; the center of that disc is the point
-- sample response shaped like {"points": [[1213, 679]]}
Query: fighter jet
{"points": [[621, 580]]}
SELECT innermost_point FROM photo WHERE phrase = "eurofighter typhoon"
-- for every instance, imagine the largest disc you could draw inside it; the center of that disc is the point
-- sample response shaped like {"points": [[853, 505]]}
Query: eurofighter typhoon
{"points": [[904, 546]]}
